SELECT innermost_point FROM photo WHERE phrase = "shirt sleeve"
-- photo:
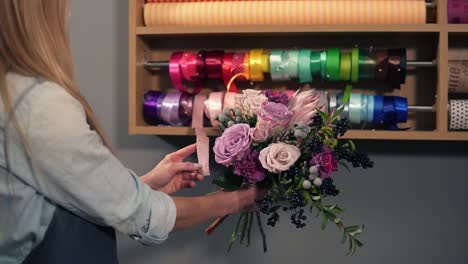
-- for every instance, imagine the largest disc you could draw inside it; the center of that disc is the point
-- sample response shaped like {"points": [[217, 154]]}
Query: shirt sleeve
{"points": [[76, 171]]}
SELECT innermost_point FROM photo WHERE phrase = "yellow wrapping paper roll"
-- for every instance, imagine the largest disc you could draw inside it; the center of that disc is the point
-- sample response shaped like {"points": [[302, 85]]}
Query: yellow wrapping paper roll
{"points": [[312, 12]]}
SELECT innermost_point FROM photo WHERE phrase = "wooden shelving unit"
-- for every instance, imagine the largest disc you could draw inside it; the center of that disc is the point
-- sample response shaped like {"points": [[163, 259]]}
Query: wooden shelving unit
{"points": [[426, 86]]}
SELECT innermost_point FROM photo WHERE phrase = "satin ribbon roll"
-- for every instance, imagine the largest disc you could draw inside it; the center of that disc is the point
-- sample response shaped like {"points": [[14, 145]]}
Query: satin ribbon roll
{"points": [[459, 114], [170, 109], [457, 11], [390, 110], [152, 103], [285, 12], [458, 77], [214, 64], [323, 65], [315, 64], [201, 67], [186, 108], [355, 108], [381, 68], [367, 65], [234, 63], [278, 66], [345, 66], [203, 142], [332, 105], [183, 67], [229, 101], [339, 103], [256, 69], [214, 106], [396, 67], [369, 116], [355, 65], [305, 72], [293, 63], [333, 64]]}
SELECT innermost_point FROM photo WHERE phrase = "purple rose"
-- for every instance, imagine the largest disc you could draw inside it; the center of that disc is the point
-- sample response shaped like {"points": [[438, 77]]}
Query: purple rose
{"points": [[326, 162], [233, 144], [250, 168], [276, 113]]}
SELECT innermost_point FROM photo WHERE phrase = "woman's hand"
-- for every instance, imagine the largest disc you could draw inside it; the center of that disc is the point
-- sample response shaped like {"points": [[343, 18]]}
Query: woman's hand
{"points": [[173, 174]]}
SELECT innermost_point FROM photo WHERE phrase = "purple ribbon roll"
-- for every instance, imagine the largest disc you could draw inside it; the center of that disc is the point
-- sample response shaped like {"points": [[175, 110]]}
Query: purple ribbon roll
{"points": [[170, 109], [457, 11], [152, 107]]}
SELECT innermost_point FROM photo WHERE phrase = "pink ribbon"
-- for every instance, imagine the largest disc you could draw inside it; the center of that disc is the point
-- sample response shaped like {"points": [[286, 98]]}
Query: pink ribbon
{"points": [[203, 142], [214, 106], [229, 101]]}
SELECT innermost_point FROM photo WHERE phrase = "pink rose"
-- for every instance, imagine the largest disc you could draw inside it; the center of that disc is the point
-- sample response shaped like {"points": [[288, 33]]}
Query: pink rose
{"points": [[261, 132], [233, 144], [277, 113], [250, 101], [278, 157], [326, 162]]}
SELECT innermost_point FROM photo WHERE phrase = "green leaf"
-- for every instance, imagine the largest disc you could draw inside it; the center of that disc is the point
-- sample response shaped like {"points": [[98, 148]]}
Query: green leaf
{"points": [[353, 146], [345, 165], [324, 221], [228, 181], [338, 112], [347, 94], [345, 236], [323, 115]]}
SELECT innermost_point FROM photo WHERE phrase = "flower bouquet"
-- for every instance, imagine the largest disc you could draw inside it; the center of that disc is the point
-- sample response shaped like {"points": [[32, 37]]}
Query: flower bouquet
{"points": [[289, 145]]}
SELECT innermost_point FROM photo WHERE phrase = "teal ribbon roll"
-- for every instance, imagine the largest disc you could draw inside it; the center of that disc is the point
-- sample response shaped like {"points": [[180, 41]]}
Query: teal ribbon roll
{"points": [[293, 62], [278, 66], [305, 72]]}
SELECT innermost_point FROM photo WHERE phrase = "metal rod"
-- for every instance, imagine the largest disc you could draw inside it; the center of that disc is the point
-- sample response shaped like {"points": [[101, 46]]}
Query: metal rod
{"points": [[413, 108], [165, 64], [432, 4]]}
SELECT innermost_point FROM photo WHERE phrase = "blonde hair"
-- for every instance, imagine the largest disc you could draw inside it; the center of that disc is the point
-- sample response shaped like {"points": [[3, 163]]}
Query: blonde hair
{"points": [[34, 42]]}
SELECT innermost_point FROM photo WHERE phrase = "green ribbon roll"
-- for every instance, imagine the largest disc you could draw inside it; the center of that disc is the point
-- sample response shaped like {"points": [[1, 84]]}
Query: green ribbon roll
{"points": [[333, 64], [305, 73], [367, 65], [355, 65], [323, 65], [345, 66]]}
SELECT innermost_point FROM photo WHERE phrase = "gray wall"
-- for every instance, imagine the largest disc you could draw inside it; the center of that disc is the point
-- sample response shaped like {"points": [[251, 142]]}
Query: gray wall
{"points": [[412, 203]]}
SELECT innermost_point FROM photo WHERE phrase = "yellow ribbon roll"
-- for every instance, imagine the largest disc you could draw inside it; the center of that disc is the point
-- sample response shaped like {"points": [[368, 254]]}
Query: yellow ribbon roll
{"points": [[256, 69], [313, 12]]}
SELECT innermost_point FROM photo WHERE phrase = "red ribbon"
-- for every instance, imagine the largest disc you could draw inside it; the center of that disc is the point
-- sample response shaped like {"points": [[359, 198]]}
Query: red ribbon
{"points": [[184, 66]]}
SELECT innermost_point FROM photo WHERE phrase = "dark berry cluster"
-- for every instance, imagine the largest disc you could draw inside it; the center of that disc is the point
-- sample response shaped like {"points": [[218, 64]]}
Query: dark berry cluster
{"points": [[297, 218], [343, 153], [296, 199], [341, 127], [273, 219], [295, 172], [317, 121], [328, 187], [264, 204], [315, 144], [360, 159]]}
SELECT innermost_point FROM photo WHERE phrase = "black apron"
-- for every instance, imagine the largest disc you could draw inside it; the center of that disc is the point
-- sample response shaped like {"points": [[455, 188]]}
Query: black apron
{"points": [[73, 240]]}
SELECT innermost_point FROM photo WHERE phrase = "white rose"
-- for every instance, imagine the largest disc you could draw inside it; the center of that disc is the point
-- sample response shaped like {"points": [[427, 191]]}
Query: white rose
{"points": [[278, 157], [250, 101]]}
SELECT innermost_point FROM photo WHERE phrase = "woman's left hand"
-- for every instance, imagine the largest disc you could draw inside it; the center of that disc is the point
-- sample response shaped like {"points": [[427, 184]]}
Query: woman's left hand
{"points": [[173, 174]]}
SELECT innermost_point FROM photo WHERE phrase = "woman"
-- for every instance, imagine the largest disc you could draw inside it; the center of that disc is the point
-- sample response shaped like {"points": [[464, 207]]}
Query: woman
{"points": [[62, 192]]}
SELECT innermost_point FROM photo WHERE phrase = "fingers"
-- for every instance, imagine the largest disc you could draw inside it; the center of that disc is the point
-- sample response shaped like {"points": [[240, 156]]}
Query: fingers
{"points": [[179, 167], [183, 153], [193, 176], [189, 184]]}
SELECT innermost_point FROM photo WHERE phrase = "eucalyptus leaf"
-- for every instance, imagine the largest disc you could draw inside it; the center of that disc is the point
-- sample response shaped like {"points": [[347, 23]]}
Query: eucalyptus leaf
{"points": [[347, 94]]}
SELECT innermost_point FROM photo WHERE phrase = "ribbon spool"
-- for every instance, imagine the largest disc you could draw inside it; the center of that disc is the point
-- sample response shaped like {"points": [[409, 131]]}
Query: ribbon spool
{"points": [[367, 65], [459, 114], [458, 77], [184, 67], [173, 108], [396, 67], [333, 64], [214, 107], [256, 65], [457, 11]]}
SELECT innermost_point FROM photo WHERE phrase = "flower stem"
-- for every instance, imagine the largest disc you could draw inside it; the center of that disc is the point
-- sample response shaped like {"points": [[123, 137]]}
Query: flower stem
{"points": [[259, 221]]}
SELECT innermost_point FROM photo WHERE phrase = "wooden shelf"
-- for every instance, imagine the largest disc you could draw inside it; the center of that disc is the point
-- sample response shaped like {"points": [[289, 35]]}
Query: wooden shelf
{"points": [[423, 87], [176, 30]]}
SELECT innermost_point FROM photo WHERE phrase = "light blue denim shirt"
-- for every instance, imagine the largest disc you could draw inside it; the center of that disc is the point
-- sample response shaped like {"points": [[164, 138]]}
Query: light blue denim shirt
{"points": [[70, 167]]}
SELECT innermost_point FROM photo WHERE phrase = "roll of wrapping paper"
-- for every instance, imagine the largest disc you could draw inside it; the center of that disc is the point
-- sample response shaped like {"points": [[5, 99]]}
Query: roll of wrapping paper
{"points": [[459, 114], [285, 12], [457, 11], [458, 77]]}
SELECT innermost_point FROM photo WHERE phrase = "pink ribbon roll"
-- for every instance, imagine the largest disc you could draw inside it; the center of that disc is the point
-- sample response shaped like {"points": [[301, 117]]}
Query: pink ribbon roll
{"points": [[457, 11], [214, 106], [183, 66]]}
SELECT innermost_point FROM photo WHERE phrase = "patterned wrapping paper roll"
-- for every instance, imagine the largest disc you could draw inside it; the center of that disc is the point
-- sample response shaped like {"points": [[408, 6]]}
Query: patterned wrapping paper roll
{"points": [[459, 114], [458, 77], [457, 11], [292, 12]]}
